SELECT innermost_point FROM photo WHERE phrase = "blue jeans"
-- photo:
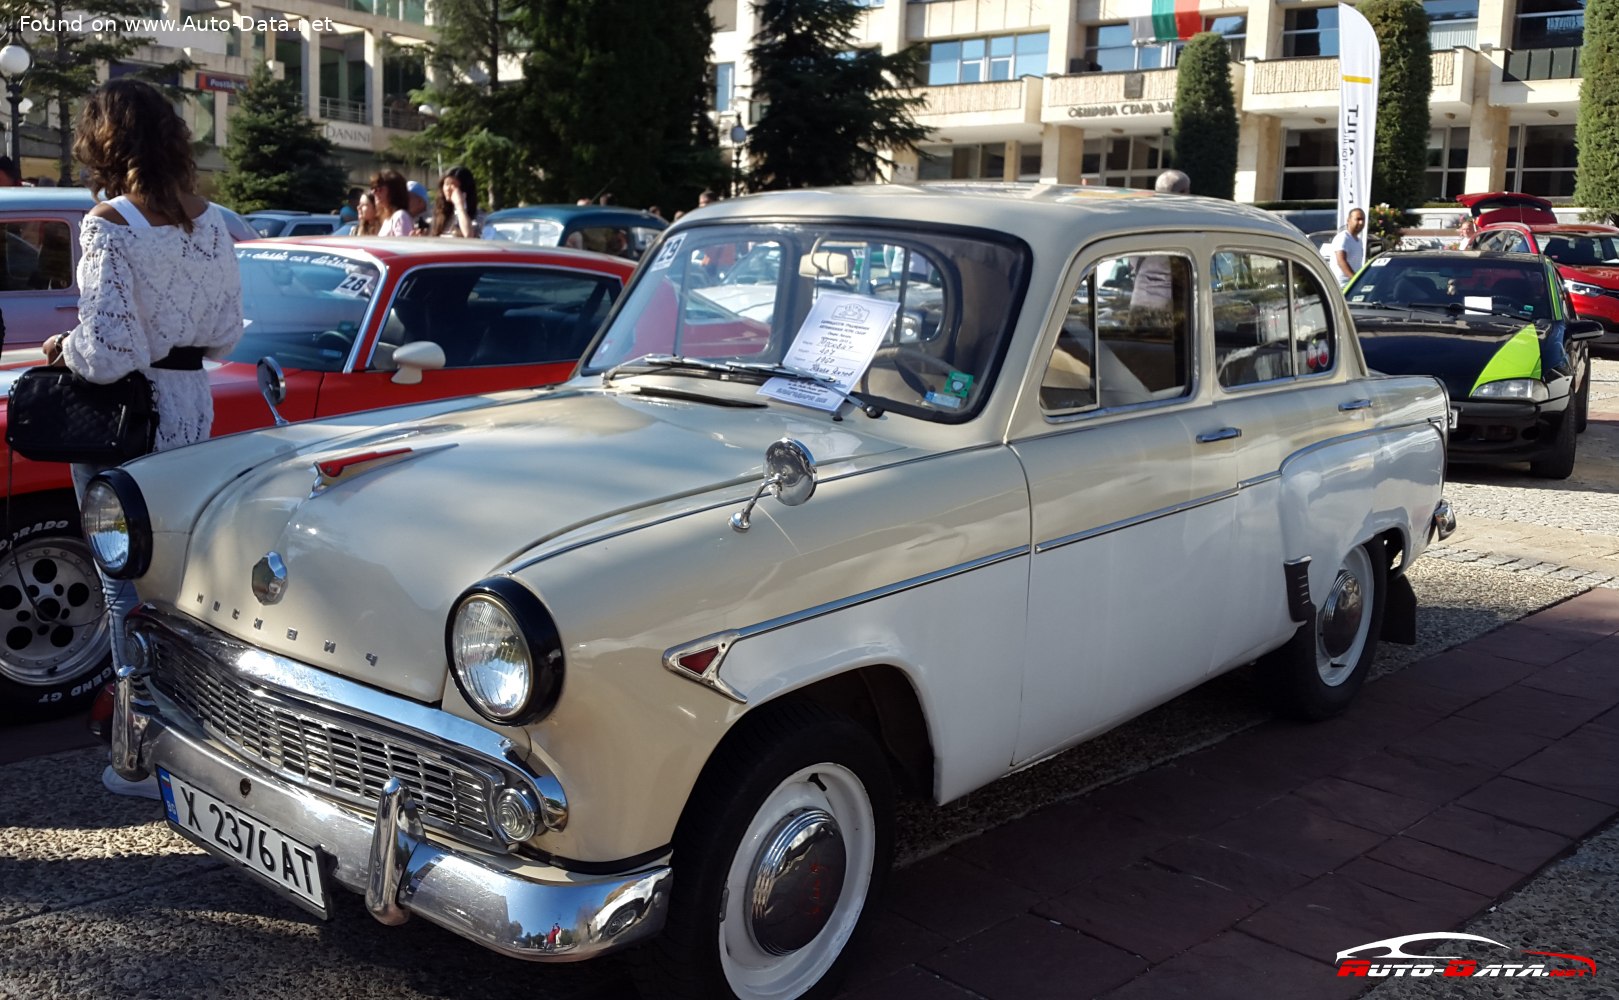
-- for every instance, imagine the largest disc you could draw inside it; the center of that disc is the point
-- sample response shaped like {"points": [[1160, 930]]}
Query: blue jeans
{"points": [[118, 594]]}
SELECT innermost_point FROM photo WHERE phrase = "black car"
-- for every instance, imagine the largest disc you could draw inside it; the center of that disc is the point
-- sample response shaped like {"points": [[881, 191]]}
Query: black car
{"points": [[1499, 331]]}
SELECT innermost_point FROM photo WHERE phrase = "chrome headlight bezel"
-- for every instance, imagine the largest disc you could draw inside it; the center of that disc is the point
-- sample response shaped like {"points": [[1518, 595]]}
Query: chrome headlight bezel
{"points": [[534, 638], [1523, 390], [116, 524]]}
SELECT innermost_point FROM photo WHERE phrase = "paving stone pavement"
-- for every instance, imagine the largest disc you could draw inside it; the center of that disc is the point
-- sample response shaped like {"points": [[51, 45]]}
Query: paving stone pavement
{"points": [[1242, 870]]}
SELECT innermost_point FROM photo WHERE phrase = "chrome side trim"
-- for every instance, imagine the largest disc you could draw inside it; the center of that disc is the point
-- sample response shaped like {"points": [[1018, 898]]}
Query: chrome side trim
{"points": [[1259, 480], [1130, 522], [725, 640]]}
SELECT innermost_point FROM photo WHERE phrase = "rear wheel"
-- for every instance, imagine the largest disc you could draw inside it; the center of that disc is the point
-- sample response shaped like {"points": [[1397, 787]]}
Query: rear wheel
{"points": [[1584, 401], [1320, 670], [786, 839], [55, 646]]}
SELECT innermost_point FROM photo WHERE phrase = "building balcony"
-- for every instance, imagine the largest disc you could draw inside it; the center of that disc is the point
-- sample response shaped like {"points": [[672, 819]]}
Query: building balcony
{"points": [[1541, 79], [336, 109], [959, 109], [1286, 87], [403, 119]]}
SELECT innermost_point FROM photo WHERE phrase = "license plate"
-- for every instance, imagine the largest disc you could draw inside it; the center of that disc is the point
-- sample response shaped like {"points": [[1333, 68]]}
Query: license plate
{"points": [[224, 830]]}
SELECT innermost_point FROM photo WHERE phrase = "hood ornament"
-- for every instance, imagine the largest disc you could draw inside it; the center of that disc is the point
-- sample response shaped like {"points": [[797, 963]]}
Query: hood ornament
{"points": [[270, 578]]}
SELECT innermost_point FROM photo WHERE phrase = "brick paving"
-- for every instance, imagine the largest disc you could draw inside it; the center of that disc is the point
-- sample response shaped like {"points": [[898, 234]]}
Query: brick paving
{"points": [[1241, 870]]}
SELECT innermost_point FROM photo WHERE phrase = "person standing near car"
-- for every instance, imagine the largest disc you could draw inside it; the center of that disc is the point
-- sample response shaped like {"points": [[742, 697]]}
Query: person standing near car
{"points": [[456, 213], [1465, 231], [1346, 252], [393, 201], [160, 289]]}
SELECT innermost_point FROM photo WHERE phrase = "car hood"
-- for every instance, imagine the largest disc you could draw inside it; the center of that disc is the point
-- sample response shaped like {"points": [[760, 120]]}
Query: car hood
{"points": [[1457, 352], [379, 531], [1607, 277]]}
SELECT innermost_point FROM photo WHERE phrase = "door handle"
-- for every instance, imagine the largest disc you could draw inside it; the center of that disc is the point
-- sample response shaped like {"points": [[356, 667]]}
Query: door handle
{"points": [[1223, 434], [1355, 404]]}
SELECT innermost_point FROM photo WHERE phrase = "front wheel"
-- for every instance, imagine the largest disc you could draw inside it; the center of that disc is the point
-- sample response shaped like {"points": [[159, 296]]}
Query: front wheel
{"points": [[55, 646], [1558, 463], [787, 838], [1320, 670]]}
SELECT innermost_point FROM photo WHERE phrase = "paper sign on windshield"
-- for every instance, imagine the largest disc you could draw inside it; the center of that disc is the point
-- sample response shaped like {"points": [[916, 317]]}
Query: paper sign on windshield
{"points": [[839, 337]]}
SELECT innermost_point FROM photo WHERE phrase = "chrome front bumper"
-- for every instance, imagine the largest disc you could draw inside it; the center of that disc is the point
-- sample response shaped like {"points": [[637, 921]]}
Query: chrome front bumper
{"points": [[504, 903]]}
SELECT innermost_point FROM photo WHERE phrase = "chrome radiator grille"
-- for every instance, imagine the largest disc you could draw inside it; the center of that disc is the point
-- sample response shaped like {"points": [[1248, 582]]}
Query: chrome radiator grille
{"points": [[325, 754]]}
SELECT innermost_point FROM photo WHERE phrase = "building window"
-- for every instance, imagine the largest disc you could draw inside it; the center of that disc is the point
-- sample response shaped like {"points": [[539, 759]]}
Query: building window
{"points": [[1447, 163], [1128, 161], [1452, 23], [1111, 48], [975, 162], [1540, 160], [1310, 164], [1310, 31], [978, 60], [1234, 28], [724, 84], [1549, 24]]}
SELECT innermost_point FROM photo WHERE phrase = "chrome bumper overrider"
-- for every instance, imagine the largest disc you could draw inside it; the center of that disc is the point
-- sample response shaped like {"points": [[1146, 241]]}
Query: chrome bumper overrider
{"points": [[1444, 520], [502, 902]]}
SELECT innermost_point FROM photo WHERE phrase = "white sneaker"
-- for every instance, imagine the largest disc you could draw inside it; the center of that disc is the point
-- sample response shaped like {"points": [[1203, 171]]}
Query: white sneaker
{"points": [[119, 785]]}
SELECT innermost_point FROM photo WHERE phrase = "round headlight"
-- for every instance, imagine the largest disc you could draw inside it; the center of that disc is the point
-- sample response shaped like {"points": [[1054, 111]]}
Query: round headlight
{"points": [[116, 525], [504, 652]]}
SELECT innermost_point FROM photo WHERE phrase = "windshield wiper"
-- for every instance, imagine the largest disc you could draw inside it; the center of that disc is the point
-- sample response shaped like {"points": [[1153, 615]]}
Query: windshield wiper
{"points": [[658, 362], [871, 410]]}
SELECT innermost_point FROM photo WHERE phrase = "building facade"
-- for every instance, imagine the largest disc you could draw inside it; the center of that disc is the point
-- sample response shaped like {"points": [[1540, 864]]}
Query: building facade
{"points": [[1056, 91], [356, 62]]}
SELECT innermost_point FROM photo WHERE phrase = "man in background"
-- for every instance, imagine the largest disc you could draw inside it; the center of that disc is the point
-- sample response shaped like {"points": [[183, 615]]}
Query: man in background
{"points": [[1347, 251]]}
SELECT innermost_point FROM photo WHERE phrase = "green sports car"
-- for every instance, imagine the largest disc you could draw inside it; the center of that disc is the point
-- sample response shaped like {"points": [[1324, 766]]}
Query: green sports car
{"points": [[1499, 331]]}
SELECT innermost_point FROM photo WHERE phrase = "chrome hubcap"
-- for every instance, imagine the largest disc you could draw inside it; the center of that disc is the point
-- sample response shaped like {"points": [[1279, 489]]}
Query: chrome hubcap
{"points": [[796, 881], [1341, 615]]}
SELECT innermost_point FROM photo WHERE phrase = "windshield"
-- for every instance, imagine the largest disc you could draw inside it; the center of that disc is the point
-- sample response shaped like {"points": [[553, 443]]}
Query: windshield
{"points": [[534, 232], [1454, 284], [1580, 251], [938, 309], [303, 307]]}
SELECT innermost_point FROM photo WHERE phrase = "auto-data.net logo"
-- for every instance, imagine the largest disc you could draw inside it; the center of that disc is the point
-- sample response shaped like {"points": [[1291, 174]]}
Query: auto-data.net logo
{"points": [[1389, 958]]}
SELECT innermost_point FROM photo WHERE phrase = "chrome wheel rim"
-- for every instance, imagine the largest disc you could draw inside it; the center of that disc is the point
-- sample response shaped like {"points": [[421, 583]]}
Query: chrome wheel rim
{"points": [[53, 622], [1344, 622], [797, 883]]}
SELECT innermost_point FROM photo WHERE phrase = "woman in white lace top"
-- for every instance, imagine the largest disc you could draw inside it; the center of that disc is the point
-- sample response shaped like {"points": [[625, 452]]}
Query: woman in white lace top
{"points": [[160, 288]]}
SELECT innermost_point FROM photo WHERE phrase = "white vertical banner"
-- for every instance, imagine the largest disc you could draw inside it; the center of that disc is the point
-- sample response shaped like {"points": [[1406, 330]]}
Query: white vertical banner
{"points": [[1359, 61]]}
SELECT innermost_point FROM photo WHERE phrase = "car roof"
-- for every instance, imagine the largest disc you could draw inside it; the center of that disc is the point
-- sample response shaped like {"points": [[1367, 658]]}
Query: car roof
{"points": [[1048, 214], [1514, 257], [387, 248], [50, 199], [288, 214], [1588, 228], [605, 215]]}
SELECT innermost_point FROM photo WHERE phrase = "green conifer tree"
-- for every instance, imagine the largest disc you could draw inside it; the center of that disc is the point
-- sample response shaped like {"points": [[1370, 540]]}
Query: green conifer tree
{"points": [[827, 109], [277, 156], [1205, 129], [1596, 177], [1405, 85]]}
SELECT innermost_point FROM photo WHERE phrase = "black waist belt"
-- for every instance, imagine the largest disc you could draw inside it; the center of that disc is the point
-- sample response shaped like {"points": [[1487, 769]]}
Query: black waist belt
{"points": [[182, 359]]}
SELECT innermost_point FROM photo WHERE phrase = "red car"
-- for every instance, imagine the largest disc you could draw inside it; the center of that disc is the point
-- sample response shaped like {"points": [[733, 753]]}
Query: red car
{"points": [[357, 324], [1587, 256]]}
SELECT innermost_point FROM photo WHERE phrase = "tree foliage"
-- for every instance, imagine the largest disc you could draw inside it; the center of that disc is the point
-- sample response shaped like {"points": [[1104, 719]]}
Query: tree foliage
{"points": [[1596, 178], [277, 156], [1205, 124], [827, 110], [615, 98], [66, 62], [1405, 83]]}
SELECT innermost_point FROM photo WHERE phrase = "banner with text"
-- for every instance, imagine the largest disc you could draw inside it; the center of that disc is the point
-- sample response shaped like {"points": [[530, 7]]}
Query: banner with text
{"points": [[1359, 61]]}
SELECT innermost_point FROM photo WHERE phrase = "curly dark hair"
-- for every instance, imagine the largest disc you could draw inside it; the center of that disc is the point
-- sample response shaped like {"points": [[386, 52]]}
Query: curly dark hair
{"points": [[134, 143], [443, 211]]}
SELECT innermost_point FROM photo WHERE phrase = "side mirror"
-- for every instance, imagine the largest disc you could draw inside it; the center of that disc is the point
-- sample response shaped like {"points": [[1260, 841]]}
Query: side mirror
{"points": [[273, 387], [789, 477], [414, 358], [1583, 329]]}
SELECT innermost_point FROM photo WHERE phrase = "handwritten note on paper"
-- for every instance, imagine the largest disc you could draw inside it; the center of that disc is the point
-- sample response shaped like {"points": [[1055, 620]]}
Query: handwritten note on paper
{"points": [[839, 337]]}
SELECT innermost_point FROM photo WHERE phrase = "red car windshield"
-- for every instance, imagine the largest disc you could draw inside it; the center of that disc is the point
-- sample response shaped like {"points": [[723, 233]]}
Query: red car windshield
{"points": [[303, 306]]}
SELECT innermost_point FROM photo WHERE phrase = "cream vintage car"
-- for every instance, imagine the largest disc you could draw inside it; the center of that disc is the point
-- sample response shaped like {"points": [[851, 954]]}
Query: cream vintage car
{"points": [[648, 657]]}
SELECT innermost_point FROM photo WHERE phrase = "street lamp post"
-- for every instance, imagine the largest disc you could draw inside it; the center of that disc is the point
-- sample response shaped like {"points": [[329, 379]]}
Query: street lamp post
{"points": [[15, 61], [739, 137]]}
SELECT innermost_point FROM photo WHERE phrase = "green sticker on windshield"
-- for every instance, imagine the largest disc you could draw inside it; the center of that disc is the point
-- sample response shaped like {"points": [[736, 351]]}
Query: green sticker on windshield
{"points": [[959, 384]]}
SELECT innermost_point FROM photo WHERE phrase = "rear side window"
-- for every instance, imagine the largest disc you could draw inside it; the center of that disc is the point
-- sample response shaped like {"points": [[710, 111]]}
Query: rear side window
{"points": [[1271, 320], [37, 256]]}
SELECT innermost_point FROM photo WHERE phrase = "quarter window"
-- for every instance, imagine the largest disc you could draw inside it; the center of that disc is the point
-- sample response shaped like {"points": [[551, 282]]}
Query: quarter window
{"points": [[1271, 320], [1127, 337], [37, 256]]}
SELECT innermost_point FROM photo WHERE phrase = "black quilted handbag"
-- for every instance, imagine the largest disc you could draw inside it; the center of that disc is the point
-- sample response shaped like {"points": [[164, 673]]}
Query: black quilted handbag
{"points": [[56, 416]]}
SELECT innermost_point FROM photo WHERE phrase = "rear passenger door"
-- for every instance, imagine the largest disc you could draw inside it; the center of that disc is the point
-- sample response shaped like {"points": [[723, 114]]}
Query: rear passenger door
{"points": [[500, 327], [1131, 483]]}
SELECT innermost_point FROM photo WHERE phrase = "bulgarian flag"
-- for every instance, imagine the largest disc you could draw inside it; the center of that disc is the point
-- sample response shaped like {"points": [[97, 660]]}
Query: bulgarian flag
{"points": [[1170, 21]]}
